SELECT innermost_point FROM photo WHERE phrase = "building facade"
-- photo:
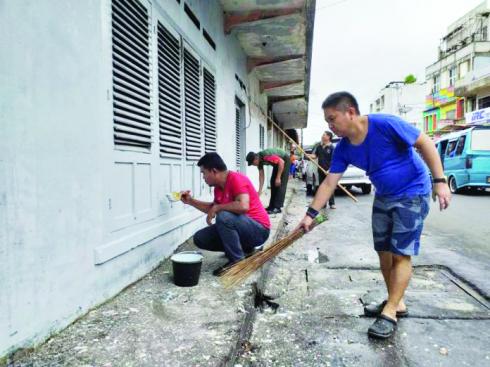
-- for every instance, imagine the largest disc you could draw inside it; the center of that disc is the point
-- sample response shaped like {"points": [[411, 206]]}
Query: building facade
{"points": [[475, 85], [105, 108], [401, 99], [463, 54]]}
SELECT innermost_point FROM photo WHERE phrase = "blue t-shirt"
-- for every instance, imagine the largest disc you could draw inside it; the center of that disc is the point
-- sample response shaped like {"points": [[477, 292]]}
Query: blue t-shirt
{"points": [[388, 157]]}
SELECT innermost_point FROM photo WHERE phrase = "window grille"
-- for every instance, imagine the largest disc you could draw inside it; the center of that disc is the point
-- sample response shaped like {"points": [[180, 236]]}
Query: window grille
{"points": [[436, 80], [452, 75], [261, 137], [238, 150], [131, 74], [209, 112], [192, 102], [169, 93]]}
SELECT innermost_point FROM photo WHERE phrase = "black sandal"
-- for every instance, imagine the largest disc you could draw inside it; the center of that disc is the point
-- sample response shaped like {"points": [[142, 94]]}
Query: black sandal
{"points": [[375, 310], [382, 328]]}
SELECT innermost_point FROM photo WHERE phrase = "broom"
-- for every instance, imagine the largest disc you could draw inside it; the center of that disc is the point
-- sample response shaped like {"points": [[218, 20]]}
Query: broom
{"points": [[239, 271]]}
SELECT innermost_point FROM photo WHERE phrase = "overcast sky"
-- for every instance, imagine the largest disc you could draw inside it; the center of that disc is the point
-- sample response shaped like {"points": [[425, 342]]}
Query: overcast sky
{"points": [[361, 45]]}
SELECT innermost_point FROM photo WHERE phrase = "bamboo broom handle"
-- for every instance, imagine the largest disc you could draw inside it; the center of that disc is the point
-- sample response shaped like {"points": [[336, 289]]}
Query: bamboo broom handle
{"points": [[311, 159]]}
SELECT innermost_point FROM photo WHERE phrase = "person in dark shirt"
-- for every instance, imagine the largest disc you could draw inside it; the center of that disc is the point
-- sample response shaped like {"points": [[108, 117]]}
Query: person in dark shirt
{"points": [[324, 153], [280, 162]]}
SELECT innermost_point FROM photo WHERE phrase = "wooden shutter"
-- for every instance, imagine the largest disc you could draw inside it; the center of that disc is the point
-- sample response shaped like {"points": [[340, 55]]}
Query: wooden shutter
{"points": [[209, 112], [238, 150], [169, 93], [192, 103], [131, 74]]}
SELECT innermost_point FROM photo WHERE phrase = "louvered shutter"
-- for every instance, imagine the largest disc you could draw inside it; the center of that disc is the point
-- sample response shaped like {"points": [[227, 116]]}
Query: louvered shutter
{"points": [[192, 103], [209, 112], [169, 93], [238, 150], [131, 74]]}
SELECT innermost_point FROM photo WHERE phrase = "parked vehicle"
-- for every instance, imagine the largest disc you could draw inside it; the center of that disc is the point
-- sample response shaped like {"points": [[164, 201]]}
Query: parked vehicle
{"points": [[465, 156], [354, 176]]}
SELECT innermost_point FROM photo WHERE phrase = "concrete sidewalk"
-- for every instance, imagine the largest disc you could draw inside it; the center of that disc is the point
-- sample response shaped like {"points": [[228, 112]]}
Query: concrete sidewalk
{"points": [[155, 323], [320, 284]]}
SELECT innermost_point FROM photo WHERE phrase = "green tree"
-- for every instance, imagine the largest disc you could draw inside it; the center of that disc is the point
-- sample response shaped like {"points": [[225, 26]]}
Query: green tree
{"points": [[410, 78]]}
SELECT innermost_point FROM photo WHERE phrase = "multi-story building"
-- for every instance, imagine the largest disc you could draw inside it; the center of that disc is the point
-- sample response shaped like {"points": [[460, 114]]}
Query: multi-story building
{"points": [[105, 108], [464, 54], [401, 99], [475, 85]]}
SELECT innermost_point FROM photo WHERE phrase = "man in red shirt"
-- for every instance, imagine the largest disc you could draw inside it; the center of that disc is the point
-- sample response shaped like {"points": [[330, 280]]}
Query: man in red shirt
{"points": [[242, 223]]}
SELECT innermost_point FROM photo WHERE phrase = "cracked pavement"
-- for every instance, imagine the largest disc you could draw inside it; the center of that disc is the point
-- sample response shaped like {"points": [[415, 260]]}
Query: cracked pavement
{"points": [[320, 284]]}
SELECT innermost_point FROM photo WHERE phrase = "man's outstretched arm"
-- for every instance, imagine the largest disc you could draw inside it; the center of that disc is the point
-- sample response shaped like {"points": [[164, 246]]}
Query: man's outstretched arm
{"points": [[430, 155], [261, 180], [324, 192]]}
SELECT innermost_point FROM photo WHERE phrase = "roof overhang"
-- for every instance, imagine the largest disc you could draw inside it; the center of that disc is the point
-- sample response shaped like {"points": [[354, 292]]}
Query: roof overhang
{"points": [[289, 112], [277, 37]]}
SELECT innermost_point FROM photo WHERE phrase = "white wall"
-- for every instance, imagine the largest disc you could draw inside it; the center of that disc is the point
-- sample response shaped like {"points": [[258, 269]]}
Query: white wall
{"points": [[255, 117], [404, 100], [412, 99], [63, 247]]}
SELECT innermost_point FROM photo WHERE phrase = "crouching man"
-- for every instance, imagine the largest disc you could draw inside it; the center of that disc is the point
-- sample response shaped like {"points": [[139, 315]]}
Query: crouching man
{"points": [[242, 224]]}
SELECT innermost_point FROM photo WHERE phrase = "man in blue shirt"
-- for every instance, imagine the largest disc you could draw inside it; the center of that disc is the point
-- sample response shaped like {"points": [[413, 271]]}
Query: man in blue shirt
{"points": [[383, 146]]}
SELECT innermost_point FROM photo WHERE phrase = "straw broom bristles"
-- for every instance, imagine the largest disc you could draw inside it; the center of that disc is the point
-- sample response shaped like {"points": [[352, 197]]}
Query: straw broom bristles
{"points": [[238, 272]]}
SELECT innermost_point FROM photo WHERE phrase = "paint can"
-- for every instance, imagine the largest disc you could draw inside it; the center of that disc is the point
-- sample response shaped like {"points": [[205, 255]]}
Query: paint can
{"points": [[186, 267]]}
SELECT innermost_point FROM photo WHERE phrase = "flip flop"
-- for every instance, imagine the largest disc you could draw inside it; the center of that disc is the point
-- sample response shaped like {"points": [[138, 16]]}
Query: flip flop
{"points": [[382, 328], [373, 310]]}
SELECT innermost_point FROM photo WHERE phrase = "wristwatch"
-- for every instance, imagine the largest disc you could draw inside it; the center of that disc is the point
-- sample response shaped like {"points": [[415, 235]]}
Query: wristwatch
{"points": [[439, 180], [312, 213]]}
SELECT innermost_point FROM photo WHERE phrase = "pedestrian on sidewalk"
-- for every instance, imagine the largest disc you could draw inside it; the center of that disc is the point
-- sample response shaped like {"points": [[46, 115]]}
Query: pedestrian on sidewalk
{"points": [[280, 162], [324, 152], [383, 146], [293, 162], [312, 180], [293, 166], [242, 224]]}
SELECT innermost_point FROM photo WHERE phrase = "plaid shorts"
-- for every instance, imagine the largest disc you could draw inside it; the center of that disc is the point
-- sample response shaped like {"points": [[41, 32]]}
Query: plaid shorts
{"points": [[397, 223]]}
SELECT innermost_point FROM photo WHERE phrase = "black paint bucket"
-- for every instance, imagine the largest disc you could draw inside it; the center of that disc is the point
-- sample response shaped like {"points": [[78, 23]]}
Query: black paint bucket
{"points": [[187, 268]]}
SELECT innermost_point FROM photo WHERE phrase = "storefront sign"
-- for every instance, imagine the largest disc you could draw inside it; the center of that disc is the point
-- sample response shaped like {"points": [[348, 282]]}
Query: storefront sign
{"points": [[478, 117]]}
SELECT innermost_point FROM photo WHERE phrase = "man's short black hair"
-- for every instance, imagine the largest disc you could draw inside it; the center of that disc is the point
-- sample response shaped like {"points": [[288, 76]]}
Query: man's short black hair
{"points": [[212, 160], [329, 133], [251, 157], [341, 101]]}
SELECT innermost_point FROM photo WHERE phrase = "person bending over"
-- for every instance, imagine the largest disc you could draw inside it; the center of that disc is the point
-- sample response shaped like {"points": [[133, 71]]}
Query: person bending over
{"points": [[280, 162], [383, 145]]}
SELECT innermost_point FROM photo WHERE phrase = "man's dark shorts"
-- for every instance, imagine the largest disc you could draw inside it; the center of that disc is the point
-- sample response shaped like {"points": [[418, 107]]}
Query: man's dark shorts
{"points": [[397, 223]]}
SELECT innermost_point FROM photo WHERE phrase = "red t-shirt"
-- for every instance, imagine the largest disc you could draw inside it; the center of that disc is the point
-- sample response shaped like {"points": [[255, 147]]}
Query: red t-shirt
{"points": [[236, 184], [273, 158]]}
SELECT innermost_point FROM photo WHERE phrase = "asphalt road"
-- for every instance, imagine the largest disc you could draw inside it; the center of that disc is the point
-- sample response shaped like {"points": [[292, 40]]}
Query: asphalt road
{"points": [[466, 223], [458, 238]]}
